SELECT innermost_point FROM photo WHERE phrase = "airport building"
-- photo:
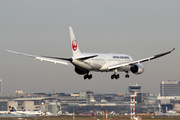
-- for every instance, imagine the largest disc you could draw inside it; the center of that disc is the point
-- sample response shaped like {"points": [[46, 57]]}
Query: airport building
{"points": [[3, 104], [145, 102], [66, 103], [170, 88], [1, 87], [88, 101]]}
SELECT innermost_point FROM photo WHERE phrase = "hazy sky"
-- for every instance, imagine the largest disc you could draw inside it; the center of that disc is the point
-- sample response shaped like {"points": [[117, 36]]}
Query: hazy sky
{"points": [[41, 27]]}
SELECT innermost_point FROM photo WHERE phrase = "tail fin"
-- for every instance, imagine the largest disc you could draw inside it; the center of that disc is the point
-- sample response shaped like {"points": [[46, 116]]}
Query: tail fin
{"points": [[75, 48], [23, 109], [166, 109], [11, 109]]}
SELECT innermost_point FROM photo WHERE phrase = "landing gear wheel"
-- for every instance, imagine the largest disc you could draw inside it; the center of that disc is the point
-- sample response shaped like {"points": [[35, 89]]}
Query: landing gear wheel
{"points": [[112, 76], [115, 76], [90, 76], [87, 76], [127, 76]]}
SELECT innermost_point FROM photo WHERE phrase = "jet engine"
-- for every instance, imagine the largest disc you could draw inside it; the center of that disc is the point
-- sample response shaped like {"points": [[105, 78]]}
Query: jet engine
{"points": [[137, 68], [80, 71]]}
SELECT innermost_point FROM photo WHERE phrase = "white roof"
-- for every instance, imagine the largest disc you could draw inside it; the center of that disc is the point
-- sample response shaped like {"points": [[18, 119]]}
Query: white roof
{"points": [[29, 99]]}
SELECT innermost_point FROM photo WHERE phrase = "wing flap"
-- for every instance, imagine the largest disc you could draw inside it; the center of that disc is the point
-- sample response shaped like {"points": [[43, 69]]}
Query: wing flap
{"points": [[118, 66], [54, 60]]}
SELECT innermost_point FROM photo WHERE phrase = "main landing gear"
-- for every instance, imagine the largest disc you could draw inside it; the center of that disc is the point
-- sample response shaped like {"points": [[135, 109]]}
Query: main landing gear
{"points": [[87, 76], [116, 76]]}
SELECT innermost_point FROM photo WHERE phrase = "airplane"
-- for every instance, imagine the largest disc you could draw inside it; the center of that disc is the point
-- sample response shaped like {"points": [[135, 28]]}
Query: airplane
{"points": [[23, 111], [11, 111], [170, 111], [99, 62], [30, 112]]}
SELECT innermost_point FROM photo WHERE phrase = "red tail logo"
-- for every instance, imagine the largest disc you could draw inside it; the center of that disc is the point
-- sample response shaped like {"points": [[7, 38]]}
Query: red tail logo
{"points": [[74, 44]]}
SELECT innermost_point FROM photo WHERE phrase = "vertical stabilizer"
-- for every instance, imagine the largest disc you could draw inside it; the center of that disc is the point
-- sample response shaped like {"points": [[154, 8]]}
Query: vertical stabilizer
{"points": [[74, 46], [166, 109]]}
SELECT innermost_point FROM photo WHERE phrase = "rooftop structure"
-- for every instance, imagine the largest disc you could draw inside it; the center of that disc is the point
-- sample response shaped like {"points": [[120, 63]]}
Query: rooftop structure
{"points": [[134, 88]]}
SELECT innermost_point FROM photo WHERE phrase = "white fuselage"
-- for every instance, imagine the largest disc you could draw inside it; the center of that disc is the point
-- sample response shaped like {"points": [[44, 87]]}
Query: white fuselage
{"points": [[28, 112], [102, 62]]}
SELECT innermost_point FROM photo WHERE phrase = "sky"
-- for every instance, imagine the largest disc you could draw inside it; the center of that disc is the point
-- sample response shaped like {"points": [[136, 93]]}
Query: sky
{"points": [[138, 28]]}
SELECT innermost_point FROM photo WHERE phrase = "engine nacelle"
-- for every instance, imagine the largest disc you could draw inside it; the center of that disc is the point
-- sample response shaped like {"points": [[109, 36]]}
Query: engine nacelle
{"points": [[80, 71], [137, 68]]}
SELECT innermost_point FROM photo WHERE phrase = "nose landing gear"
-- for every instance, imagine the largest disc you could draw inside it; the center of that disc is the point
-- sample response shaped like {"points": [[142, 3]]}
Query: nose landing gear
{"points": [[126, 76]]}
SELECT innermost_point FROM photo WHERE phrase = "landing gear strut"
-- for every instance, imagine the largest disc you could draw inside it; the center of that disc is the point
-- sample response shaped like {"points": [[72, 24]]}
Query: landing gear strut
{"points": [[87, 76]]}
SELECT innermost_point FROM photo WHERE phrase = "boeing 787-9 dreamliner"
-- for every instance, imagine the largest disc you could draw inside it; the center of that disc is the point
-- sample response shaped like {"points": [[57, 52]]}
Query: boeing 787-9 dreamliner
{"points": [[99, 62]]}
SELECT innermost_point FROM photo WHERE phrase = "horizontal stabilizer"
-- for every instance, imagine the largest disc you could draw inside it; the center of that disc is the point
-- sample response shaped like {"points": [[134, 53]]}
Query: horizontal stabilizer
{"points": [[67, 59], [84, 57]]}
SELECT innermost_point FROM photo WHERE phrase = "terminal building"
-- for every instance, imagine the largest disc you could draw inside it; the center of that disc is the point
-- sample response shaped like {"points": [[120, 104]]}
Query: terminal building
{"points": [[86, 101], [170, 88], [82, 102]]}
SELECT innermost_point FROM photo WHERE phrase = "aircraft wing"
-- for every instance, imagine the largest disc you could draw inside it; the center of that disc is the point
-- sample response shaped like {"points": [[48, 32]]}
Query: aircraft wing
{"points": [[139, 61], [64, 61]]}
